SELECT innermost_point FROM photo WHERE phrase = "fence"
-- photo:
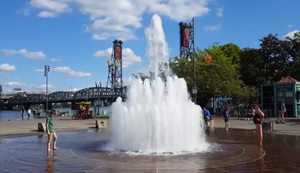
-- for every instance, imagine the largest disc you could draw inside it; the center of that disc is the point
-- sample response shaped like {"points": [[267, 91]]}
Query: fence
{"points": [[246, 113]]}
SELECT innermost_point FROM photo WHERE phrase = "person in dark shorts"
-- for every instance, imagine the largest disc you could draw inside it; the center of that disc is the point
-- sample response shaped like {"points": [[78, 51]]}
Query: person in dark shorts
{"points": [[257, 120], [281, 111], [23, 113], [226, 117], [38, 112]]}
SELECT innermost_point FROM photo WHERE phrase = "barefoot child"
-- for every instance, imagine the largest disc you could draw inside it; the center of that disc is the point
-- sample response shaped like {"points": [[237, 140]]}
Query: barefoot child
{"points": [[51, 132]]}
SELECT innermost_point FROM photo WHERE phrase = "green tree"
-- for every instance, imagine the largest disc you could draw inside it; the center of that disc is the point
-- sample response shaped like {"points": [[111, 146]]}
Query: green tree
{"points": [[252, 67], [233, 52], [274, 59], [295, 67], [218, 78]]}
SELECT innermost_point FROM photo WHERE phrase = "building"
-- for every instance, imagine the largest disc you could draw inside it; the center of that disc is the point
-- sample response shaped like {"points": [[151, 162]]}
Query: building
{"points": [[287, 90]]}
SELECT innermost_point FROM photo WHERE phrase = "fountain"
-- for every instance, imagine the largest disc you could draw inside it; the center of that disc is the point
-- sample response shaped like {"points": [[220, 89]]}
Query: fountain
{"points": [[159, 116]]}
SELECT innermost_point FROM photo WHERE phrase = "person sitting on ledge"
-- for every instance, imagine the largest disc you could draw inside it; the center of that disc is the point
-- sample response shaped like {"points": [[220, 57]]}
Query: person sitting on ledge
{"points": [[207, 116], [51, 132]]}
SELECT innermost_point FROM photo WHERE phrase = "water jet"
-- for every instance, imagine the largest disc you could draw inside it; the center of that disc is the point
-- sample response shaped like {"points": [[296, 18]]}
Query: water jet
{"points": [[159, 116]]}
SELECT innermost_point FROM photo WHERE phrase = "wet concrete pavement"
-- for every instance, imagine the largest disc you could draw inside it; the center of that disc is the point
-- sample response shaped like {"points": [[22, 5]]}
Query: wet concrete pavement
{"points": [[234, 151], [80, 151], [19, 128]]}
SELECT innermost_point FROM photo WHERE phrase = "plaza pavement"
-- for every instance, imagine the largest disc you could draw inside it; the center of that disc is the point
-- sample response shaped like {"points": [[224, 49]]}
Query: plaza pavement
{"points": [[29, 127]]}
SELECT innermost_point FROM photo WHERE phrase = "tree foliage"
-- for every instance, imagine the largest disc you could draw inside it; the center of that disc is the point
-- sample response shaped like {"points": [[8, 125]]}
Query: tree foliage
{"points": [[218, 78], [237, 72], [274, 59]]}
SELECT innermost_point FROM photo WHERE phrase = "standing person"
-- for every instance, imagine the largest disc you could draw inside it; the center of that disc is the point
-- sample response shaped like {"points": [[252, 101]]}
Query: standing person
{"points": [[23, 113], [38, 112], [226, 117], [28, 113], [281, 111], [51, 131], [257, 119], [207, 116], [34, 113]]}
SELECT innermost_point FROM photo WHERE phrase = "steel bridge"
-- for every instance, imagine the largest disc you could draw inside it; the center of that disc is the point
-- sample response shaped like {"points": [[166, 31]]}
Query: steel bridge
{"points": [[87, 94]]}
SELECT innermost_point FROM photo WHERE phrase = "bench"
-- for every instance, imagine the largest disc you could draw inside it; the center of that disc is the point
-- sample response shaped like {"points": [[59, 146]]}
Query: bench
{"points": [[101, 124]]}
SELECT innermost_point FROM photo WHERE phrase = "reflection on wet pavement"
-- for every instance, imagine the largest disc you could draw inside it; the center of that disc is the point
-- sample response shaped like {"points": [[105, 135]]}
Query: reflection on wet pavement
{"points": [[80, 151]]}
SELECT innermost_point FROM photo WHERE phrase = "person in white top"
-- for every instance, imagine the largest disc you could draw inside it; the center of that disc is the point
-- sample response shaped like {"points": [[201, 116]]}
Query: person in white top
{"points": [[28, 113]]}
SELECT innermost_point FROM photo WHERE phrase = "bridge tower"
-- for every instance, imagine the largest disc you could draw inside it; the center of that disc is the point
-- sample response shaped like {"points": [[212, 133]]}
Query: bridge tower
{"points": [[186, 32], [187, 48], [115, 76]]}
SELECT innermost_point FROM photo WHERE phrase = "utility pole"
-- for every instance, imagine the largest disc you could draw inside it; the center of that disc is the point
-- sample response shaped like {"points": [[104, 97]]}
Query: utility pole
{"points": [[195, 89], [46, 72]]}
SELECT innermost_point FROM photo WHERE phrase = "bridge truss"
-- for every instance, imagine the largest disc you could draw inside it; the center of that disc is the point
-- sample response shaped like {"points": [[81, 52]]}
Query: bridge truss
{"points": [[87, 94]]}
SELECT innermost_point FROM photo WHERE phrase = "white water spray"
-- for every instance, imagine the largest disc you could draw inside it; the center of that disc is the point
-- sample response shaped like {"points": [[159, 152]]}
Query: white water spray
{"points": [[158, 117]]}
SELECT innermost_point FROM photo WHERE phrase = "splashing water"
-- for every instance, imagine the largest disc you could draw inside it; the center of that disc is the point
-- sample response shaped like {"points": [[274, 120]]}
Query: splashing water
{"points": [[158, 117]]}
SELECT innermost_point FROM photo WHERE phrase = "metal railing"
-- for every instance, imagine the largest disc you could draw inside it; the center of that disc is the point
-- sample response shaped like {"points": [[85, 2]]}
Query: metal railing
{"points": [[240, 113]]}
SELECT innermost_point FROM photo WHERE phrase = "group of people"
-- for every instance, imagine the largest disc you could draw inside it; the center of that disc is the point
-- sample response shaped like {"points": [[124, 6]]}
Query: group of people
{"points": [[257, 113], [36, 112], [225, 113]]}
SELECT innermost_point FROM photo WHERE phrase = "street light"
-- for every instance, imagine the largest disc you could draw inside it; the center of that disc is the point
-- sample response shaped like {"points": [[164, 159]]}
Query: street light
{"points": [[46, 71], [194, 89]]}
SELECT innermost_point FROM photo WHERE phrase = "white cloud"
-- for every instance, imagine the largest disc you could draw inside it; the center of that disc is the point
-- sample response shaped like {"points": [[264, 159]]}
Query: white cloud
{"points": [[68, 71], [46, 14], [28, 87], [290, 26], [43, 87], [50, 7], [7, 67], [219, 12], [55, 59], [118, 19], [15, 84], [128, 56], [291, 34], [24, 53], [74, 89], [39, 70], [212, 28], [71, 73]]}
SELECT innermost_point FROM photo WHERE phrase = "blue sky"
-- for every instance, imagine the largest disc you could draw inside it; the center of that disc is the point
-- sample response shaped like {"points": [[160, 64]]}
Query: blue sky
{"points": [[66, 34]]}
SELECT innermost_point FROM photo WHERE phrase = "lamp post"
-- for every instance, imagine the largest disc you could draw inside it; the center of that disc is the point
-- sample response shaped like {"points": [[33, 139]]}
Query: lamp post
{"points": [[195, 89], [46, 72]]}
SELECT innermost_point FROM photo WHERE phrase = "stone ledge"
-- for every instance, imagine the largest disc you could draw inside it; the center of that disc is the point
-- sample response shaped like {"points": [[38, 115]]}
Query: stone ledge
{"points": [[101, 124], [268, 126], [42, 127]]}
